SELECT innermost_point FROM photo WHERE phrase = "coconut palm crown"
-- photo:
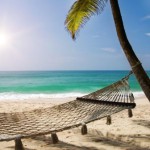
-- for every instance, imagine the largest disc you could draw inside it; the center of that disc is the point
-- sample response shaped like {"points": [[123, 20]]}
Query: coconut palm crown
{"points": [[80, 13]]}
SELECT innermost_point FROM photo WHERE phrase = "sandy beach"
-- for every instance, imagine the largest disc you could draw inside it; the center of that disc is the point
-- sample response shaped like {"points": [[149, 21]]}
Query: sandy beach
{"points": [[123, 134]]}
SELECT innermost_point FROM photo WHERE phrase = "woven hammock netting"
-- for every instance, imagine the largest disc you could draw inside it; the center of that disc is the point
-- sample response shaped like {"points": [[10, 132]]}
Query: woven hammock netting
{"points": [[99, 104]]}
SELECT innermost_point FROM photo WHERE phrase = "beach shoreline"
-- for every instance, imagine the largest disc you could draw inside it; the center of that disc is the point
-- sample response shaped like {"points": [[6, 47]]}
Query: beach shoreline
{"points": [[36, 102], [131, 132]]}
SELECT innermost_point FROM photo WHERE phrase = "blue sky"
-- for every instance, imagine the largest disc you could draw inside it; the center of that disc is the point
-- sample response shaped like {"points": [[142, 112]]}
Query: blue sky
{"points": [[36, 38]]}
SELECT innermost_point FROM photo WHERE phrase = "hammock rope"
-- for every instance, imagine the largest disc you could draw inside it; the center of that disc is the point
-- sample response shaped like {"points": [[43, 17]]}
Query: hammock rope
{"points": [[99, 104]]}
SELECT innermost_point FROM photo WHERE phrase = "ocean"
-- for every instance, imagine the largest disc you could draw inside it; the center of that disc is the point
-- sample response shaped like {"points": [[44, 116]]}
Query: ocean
{"points": [[58, 84]]}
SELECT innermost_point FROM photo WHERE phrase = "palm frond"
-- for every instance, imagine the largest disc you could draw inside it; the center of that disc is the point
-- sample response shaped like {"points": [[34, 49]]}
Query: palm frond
{"points": [[80, 13]]}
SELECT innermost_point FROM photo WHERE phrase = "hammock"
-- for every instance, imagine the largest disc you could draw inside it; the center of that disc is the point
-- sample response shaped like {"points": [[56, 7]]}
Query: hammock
{"points": [[102, 103]]}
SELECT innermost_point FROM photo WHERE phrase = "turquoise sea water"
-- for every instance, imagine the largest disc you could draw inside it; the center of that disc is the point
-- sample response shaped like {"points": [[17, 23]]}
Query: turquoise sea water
{"points": [[26, 84]]}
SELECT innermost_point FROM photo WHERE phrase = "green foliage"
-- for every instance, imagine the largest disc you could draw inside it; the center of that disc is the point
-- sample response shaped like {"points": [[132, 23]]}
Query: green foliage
{"points": [[80, 13]]}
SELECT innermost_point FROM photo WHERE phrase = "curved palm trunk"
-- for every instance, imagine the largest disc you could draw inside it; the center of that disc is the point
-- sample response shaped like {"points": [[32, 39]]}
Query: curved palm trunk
{"points": [[136, 66]]}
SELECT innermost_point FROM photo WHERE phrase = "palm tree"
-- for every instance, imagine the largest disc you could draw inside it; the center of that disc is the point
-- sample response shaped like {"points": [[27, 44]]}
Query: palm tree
{"points": [[80, 13]]}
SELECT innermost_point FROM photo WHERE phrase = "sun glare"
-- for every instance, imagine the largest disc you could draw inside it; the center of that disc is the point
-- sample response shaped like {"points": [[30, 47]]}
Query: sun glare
{"points": [[3, 39]]}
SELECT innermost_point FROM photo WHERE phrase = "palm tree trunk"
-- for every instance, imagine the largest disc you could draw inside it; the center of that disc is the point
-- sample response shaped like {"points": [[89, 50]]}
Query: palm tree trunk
{"points": [[134, 62]]}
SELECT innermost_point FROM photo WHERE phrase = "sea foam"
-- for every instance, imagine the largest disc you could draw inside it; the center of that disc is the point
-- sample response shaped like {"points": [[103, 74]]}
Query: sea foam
{"points": [[21, 96], [18, 96]]}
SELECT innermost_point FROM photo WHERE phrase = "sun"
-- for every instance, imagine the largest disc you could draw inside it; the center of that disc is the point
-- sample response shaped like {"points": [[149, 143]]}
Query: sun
{"points": [[3, 39]]}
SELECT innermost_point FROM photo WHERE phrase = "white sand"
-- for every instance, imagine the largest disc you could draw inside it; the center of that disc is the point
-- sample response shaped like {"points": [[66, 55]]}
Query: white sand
{"points": [[123, 134]]}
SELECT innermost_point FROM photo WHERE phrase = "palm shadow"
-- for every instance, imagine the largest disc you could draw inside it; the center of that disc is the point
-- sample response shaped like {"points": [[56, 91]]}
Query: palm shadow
{"points": [[144, 123], [117, 143]]}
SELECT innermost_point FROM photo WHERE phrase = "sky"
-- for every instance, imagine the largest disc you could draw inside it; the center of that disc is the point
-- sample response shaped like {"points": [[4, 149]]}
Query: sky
{"points": [[33, 36]]}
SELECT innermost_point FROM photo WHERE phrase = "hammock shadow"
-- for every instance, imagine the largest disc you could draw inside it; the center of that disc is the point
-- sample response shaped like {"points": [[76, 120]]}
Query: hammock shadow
{"points": [[98, 141], [62, 145], [144, 123], [12, 147], [67, 146]]}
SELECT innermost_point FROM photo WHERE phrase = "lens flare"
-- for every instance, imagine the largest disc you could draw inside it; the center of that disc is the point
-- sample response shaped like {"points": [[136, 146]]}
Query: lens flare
{"points": [[4, 39]]}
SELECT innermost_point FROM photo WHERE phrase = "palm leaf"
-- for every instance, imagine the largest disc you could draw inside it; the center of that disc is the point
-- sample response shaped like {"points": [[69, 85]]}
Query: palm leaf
{"points": [[80, 13]]}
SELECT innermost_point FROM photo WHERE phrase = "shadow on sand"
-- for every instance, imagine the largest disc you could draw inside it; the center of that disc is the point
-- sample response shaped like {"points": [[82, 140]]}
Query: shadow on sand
{"points": [[144, 123], [94, 140]]}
